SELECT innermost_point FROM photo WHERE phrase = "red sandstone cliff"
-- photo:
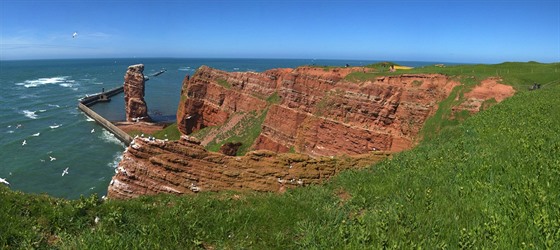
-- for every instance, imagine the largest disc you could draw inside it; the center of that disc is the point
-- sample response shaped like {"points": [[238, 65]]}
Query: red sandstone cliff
{"points": [[135, 106], [318, 114], [183, 167]]}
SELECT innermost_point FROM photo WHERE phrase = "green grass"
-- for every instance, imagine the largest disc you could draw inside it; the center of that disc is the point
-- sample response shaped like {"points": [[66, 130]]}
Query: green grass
{"points": [[245, 132], [170, 132], [519, 75], [491, 182], [224, 83], [274, 99]]}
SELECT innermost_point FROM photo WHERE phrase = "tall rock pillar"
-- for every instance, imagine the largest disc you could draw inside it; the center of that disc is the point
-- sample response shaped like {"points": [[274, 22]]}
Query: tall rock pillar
{"points": [[135, 106]]}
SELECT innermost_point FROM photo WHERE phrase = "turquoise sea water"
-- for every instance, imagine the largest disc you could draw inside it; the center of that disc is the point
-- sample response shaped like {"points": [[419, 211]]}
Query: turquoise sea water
{"points": [[38, 105]]}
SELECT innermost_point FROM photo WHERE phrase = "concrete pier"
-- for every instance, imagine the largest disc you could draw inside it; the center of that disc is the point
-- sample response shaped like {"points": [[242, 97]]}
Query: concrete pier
{"points": [[89, 101]]}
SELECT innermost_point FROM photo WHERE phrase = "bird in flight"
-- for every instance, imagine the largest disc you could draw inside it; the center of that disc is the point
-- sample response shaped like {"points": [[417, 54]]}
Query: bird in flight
{"points": [[65, 172], [75, 35]]}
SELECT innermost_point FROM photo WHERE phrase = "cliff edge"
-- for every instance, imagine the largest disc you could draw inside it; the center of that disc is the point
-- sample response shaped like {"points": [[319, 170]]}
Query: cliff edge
{"points": [[315, 124]]}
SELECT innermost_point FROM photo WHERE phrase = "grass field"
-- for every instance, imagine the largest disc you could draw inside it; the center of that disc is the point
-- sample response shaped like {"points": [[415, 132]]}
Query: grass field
{"points": [[490, 182]]}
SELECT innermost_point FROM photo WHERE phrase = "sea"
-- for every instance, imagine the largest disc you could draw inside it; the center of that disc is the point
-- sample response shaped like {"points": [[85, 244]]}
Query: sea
{"points": [[47, 145]]}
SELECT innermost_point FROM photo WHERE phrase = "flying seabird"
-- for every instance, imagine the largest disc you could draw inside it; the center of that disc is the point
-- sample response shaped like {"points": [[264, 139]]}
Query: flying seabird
{"points": [[24, 143], [2, 180], [55, 126], [92, 130], [52, 158], [75, 35], [65, 172], [36, 134]]}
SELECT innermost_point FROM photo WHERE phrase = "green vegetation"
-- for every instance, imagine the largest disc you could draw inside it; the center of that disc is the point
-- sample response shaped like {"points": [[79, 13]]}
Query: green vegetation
{"points": [[274, 99], [519, 75], [490, 182], [224, 83], [246, 132], [170, 132]]}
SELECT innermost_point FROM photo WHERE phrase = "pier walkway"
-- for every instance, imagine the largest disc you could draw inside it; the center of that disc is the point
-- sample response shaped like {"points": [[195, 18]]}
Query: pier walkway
{"points": [[89, 101]]}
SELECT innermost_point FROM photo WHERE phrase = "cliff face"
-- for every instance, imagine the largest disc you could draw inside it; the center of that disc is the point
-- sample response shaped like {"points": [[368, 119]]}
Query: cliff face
{"points": [[184, 166], [135, 106], [319, 113], [332, 124]]}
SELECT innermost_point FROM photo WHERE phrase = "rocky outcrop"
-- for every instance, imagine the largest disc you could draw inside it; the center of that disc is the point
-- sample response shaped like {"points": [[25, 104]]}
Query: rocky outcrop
{"points": [[318, 112], [332, 124], [135, 106], [185, 167]]}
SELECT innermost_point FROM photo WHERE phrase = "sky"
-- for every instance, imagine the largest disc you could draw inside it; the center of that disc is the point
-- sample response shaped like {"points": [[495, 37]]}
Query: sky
{"points": [[463, 31]]}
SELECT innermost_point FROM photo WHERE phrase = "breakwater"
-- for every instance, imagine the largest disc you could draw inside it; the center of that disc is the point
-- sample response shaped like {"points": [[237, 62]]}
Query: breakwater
{"points": [[89, 101]]}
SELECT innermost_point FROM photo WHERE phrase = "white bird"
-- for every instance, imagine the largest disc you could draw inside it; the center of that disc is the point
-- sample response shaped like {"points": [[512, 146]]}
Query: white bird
{"points": [[2, 180], [24, 143], [52, 158], [75, 35], [36, 134], [65, 172], [18, 126], [55, 126], [92, 130]]}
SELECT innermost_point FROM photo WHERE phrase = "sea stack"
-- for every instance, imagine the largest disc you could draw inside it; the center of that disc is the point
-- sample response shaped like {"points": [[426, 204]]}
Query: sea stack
{"points": [[135, 106]]}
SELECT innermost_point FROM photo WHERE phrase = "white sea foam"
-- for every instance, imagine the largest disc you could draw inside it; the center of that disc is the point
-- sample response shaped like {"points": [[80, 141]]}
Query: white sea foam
{"points": [[54, 105], [44, 81], [116, 159], [109, 137], [30, 114], [185, 69]]}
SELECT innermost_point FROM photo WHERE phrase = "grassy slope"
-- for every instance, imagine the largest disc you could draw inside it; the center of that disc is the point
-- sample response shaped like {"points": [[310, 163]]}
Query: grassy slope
{"points": [[490, 182]]}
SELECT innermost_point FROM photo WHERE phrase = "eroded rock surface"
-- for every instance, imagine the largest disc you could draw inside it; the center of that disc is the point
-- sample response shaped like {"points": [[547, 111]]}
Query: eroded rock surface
{"points": [[318, 112], [332, 124], [135, 106], [183, 167]]}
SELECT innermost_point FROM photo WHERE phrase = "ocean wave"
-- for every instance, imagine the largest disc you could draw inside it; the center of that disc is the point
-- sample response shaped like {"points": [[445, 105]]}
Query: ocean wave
{"points": [[66, 85], [110, 138], [116, 160], [44, 81], [185, 69], [30, 114]]}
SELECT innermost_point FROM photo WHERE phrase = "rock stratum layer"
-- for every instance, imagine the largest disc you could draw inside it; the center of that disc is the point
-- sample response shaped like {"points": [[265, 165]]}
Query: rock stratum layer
{"points": [[319, 113], [332, 124], [135, 106], [183, 166]]}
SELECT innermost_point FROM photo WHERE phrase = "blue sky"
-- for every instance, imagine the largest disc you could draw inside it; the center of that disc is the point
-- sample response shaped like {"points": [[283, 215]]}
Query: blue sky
{"points": [[470, 31]]}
